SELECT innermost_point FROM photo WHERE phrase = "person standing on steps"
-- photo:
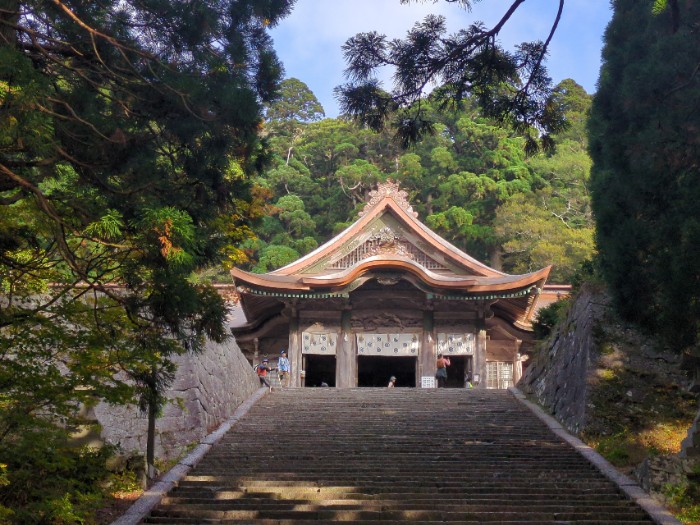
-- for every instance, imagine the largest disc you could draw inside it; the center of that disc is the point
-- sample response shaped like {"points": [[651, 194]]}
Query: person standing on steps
{"points": [[441, 370], [262, 369], [392, 382], [283, 368]]}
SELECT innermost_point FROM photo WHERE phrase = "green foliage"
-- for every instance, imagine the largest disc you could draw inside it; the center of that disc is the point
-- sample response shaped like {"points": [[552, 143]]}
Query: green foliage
{"points": [[588, 273], [549, 317], [535, 232], [659, 6], [48, 480], [295, 103], [294, 216], [275, 256], [644, 181], [615, 449], [683, 500]]}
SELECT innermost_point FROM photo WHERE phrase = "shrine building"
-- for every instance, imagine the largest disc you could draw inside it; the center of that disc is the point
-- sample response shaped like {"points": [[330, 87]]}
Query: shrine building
{"points": [[382, 299]]}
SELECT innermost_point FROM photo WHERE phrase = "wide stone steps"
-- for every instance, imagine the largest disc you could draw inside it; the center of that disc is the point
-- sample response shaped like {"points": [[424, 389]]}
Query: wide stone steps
{"points": [[389, 456]]}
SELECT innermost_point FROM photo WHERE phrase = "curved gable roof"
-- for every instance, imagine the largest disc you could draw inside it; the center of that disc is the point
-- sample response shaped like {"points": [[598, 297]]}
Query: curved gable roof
{"points": [[388, 205]]}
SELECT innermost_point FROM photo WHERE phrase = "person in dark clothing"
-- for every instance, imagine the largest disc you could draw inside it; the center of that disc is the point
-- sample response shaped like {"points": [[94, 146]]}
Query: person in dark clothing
{"points": [[263, 369], [441, 370]]}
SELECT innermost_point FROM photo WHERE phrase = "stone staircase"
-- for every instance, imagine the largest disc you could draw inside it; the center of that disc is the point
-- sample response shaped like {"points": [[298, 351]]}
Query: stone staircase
{"points": [[389, 456]]}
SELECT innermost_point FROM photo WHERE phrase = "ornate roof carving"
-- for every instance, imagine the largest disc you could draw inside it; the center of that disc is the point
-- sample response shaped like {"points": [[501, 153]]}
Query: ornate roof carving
{"points": [[386, 242], [388, 189]]}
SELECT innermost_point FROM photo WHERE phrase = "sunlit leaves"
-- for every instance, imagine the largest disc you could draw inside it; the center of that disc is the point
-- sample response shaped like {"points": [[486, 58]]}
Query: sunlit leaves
{"points": [[295, 104], [659, 6], [535, 234], [455, 220], [275, 256], [174, 233], [109, 226], [292, 213]]}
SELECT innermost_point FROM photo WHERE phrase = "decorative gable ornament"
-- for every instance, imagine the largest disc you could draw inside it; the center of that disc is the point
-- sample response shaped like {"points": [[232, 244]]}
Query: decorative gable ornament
{"points": [[388, 189]]}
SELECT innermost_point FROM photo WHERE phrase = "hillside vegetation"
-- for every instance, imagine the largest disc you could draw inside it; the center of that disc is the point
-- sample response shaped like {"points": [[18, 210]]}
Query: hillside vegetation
{"points": [[622, 394]]}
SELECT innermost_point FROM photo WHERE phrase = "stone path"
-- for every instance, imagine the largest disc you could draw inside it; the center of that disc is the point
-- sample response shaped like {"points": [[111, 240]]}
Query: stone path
{"points": [[389, 456]]}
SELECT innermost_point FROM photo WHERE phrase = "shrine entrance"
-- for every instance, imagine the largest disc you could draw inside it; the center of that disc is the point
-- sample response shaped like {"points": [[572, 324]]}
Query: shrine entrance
{"points": [[375, 371], [319, 369], [461, 367]]}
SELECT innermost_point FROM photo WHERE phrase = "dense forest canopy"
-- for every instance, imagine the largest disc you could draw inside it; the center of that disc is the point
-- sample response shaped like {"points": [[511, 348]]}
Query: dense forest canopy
{"points": [[471, 182]]}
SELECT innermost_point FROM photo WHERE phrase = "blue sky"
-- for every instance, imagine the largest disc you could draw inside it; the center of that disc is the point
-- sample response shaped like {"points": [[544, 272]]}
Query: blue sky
{"points": [[309, 41]]}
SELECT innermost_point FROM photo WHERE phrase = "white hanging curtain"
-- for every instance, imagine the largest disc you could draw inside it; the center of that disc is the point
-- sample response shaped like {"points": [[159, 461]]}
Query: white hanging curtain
{"points": [[322, 343], [388, 344], [455, 344]]}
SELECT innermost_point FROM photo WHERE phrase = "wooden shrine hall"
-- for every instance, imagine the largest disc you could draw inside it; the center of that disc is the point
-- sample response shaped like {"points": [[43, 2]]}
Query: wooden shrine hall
{"points": [[382, 299]]}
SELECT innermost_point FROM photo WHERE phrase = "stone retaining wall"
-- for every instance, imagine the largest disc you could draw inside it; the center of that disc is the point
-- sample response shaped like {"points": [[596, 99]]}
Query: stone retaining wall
{"points": [[559, 373], [207, 390]]}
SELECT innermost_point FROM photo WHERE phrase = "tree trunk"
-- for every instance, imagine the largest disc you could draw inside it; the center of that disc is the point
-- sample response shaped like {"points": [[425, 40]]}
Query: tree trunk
{"points": [[151, 440], [496, 258], [675, 15]]}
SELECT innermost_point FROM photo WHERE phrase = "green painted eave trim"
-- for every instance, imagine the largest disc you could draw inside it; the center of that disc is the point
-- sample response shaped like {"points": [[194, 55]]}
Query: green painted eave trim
{"points": [[511, 295], [297, 295], [433, 296]]}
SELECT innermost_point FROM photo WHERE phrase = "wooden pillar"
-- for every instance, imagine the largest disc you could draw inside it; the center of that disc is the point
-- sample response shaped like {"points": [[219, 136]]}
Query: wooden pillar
{"points": [[480, 350], [517, 363], [480, 357], [345, 359], [295, 360], [428, 349]]}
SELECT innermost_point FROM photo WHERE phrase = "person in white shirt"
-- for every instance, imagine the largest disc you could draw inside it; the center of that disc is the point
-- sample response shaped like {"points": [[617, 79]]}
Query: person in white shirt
{"points": [[283, 368]]}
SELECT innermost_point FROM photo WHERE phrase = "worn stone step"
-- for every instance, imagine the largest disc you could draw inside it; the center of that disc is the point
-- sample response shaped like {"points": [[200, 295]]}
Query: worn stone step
{"points": [[385, 502], [602, 498], [200, 521], [321, 480], [332, 515], [192, 504], [410, 486]]}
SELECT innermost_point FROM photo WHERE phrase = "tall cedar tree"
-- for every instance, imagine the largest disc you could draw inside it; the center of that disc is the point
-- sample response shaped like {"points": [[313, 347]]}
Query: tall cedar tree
{"points": [[128, 133], [646, 172]]}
